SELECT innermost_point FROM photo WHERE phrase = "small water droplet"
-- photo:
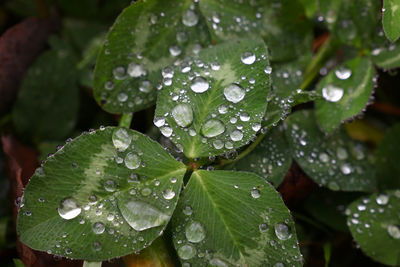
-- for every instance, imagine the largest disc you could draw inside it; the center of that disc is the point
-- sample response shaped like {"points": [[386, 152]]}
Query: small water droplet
{"points": [[255, 193], [166, 131], [186, 252], [394, 231], [263, 227], [96, 246], [187, 210], [343, 73], [199, 85], [248, 58], [195, 232], [268, 70], [282, 231], [332, 93], [121, 139], [109, 186], [122, 97], [236, 135], [189, 18], [132, 161], [136, 70], [168, 194], [98, 228], [119, 73], [382, 199], [159, 121], [212, 128]]}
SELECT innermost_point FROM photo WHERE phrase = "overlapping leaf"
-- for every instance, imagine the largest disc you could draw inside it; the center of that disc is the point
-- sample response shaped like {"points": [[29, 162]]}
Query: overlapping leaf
{"points": [[103, 195], [271, 158], [391, 19], [145, 38], [385, 54], [215, 102], [346, 91], [230, 218], [374, 222], [334, 161]]}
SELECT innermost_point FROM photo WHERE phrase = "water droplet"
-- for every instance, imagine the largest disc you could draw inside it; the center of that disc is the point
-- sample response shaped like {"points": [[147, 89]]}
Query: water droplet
{"points": [[282, 231], [279, 264], [68, 209], [323, 157], [98, 228], [183, 115], [146, 192], [255, 193], [332, 93], [122, 97], [343, 73], [215, 66], [199, 85], [268, 70], [394, 231], [212, 128], [218, 144], [263, 227], [188, 210], [236, 135], [175, 50], [168, 194], [159, 121], [194, 232], [256, 127], [136, 70], [346, 169], [218, 263], [248, 58], [132, 161], [244, 117], [109, 85], [145, 86], [119, 73], [382, 199], [186, 252], [189, 18], [166, 131], [141, 215], [341, 153], [109, 186], [222, 109], [96, 246], [234, 93], [121, 139]]}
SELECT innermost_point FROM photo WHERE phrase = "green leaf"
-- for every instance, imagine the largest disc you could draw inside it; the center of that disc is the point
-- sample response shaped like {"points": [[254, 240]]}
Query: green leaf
{"points": [[47, 104], [388, 158], [346, 91], [270, 159], [285, 89], [215, 102], [374, 222], [282, 24], [335, 161], [230, 218], [145, 38], [385, 54], [103, 195], [391, 19], [328, 207]]}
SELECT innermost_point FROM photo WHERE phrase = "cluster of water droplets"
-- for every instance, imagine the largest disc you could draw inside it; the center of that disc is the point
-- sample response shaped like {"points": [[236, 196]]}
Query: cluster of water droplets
{"points": [[335, 161]]}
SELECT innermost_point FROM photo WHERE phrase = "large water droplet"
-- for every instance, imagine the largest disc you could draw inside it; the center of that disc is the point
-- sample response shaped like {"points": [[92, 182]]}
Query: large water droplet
{"points": [[195, 232], [199, 85], [248, 58], [98, 228], [68, 209], [132, 160], [282, 231], [159, 121], [186, 252], [168, 194], [190, 18], [166, 131], [141, 215], [121, 139], [255, 193], [332, 93], [212, 128], [343, 73], [119, 73], [394, 231], [268, 70], [341, 153], [183, 115], [234, 93]]}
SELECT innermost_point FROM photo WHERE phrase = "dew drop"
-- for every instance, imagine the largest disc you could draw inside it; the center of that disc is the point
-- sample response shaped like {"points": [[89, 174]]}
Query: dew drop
{"points": [[332, 93], [68, 209], [159, 121], [186, 252], [96, 246], [175, 50], [212, 128], [248, 58], [168, 194], [122, 97], [263, 227], [199, 85], [268, 70], [190, 18], [343, 73], [255, 193], [119, 73], [98, 228], [188, 210], [323, 157], [394, 231], [195, 232], [236, 135], [382, 199], [109, 186], [183, 115], [132, 161], [218, 144], [145, 86], [282, 231], [121, 139], [136, 70], [234, 93]]}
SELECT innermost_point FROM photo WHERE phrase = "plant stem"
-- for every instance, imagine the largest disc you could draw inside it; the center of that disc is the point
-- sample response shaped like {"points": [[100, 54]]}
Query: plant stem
{"points": [[126, 120], [245, 152]]}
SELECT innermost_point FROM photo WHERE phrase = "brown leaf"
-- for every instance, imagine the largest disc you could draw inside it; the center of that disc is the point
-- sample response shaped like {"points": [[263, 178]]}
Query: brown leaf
{"points": [[21, 162], [19, 46]]}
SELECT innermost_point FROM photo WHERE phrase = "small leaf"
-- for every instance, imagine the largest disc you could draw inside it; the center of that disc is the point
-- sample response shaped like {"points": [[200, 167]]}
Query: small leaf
{"points": [[388, 158], [270, 159], [215, 102], [391, 19], [146, 37], [346, 91], [233, 219], [334, 161], [385, 54], [103, 195], [374, 222], [47, 104], [282, 24]]}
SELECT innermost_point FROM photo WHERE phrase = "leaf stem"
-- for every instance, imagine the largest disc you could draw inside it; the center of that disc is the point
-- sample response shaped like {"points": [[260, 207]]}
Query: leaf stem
{"points": [[126, 120], [244, 152]]}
